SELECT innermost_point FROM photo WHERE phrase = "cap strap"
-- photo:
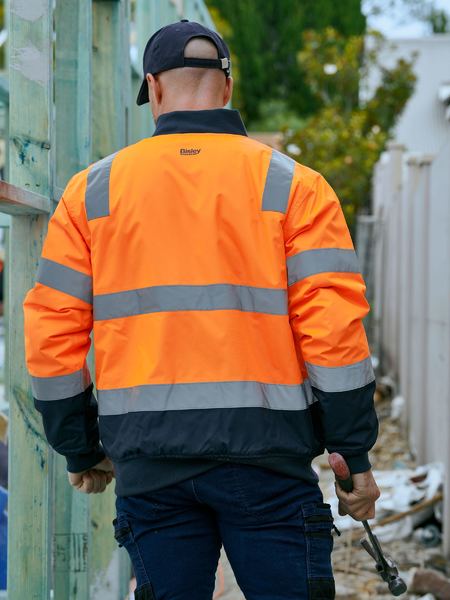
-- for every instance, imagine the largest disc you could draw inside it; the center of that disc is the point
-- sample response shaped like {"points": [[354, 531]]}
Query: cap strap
{"points": [[209, 63]]}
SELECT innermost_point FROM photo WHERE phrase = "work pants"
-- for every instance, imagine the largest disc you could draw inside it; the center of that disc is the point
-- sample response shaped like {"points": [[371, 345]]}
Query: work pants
{"points": [[276, 532]]}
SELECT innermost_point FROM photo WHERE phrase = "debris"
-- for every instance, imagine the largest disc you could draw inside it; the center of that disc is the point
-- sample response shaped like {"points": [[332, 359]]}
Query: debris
{"points": [[397, 407], [404, 493], [424, 581], [420, 506], [398, 530], [429, 536]]}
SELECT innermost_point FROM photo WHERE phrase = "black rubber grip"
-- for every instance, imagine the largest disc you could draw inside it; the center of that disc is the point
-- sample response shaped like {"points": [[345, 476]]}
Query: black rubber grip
{"points": [[346, 484]]}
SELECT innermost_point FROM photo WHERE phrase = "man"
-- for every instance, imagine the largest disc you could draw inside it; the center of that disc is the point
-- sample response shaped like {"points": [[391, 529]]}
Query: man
{"points": [[224, 294]]}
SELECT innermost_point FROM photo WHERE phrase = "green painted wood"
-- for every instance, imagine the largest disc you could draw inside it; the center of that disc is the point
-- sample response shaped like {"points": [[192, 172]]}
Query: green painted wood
{"points": [[73, 88], [196, 10], [109, 565], [15, 200], [168, 12], [141, 118], [73, 26], [111, 76], [30, 79]]}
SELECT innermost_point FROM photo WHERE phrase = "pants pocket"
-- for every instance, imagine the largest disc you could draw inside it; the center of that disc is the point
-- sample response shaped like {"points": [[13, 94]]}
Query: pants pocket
{"points": [[144, 592], [123, 534], [318, 522]]}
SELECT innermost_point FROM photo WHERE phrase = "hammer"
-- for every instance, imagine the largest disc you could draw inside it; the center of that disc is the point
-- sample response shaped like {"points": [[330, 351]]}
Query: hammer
{"points": [[384, 564]]}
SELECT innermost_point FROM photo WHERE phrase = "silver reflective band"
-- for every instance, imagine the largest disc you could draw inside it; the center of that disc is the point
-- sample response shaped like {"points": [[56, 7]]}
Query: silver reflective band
{"points": [[61, 386], [216, 394], [341, 379], [65, 279], [322, 260], [97, 189], [217, 296], [278, 182]]}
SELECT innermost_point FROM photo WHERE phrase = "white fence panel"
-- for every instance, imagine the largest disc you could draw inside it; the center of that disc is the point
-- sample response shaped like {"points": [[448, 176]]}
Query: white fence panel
{"points": [[411, 203]]}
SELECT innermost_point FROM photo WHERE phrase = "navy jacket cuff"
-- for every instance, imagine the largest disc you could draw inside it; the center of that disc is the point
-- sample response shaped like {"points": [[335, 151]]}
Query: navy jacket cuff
{"points": [[359, 463], [83, 462]]}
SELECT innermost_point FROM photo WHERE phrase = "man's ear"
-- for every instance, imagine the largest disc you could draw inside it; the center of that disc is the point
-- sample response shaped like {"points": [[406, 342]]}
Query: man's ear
{"points": [[228, 92], [154, 88]]}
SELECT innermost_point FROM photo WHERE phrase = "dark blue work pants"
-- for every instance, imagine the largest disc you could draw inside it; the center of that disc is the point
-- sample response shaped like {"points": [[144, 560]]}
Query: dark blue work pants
{"points": [[275, 529]]}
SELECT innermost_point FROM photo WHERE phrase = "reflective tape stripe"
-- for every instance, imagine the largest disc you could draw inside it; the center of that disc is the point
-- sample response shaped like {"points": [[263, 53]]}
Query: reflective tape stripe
{"points": [[65, 279], [341, 379], [203, 395], [218, 296], [278, 182], [97, 189], [62, 386], [322, 260]]}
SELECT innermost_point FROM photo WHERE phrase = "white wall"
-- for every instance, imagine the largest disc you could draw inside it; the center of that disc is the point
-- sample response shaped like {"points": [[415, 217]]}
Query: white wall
{"points": [[420, 126]]}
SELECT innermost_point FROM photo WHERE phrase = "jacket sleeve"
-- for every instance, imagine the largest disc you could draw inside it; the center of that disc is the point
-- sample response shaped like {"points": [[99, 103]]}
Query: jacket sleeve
{"points": [[58, 322], [326, 297]]}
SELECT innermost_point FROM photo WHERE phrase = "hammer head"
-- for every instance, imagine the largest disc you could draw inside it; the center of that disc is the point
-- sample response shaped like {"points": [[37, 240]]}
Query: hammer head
{"points": [[397, 586]]}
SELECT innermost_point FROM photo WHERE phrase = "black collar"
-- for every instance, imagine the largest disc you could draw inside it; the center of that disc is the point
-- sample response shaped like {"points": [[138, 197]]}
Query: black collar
{"points": [[216, 120]]}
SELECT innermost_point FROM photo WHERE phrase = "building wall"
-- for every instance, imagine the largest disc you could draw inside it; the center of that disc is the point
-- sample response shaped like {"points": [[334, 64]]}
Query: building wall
{"points": [[420, 126]]}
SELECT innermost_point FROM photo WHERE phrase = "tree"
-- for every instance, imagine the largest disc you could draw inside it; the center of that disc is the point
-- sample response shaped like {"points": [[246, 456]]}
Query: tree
{"points": [[265, 38], [345, 138]]}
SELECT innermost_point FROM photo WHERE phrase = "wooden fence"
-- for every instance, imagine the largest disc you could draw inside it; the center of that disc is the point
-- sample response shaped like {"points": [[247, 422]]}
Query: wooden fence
{"points": [[412, 291], [72, 88]]}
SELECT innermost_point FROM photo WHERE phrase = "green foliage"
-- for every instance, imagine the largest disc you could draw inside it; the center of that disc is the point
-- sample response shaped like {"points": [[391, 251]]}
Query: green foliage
{"points": [[276, 116], [391, 96], [332, 66], [265, 38], [345, 138]]}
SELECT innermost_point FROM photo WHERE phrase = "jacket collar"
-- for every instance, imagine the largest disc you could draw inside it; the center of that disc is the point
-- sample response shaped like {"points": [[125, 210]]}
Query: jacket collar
{"points": [[216, 120]]}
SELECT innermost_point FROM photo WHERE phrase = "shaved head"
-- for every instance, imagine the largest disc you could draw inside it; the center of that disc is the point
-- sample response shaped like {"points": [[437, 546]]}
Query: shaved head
{"points": [[190, 88]]}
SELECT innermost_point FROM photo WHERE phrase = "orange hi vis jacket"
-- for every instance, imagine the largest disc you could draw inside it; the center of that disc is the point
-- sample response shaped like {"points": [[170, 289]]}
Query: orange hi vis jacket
{"points": [[221, 284]]}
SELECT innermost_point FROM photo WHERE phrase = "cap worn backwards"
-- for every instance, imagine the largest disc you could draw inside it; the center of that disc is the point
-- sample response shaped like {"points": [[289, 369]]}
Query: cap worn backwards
{"points": [[165, 51]]}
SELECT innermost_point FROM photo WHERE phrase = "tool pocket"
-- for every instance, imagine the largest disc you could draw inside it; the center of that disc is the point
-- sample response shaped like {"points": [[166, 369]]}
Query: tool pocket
{"points": [[123, 534], [145, 592], [318, 522]]}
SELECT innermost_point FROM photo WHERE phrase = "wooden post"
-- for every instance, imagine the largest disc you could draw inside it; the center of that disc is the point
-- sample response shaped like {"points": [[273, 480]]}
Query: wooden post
{"points": [[111, 93], [141, 119], [30, 77], [73, 88], [111, 76], [73, 27]]}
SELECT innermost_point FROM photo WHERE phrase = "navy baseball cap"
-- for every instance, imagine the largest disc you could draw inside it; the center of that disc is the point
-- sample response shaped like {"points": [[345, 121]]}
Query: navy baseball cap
{"points": [[165, 51]]}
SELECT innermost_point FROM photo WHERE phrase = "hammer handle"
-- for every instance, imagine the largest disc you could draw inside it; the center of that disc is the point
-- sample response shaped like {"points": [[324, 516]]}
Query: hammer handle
{"points": [[341, 471]]}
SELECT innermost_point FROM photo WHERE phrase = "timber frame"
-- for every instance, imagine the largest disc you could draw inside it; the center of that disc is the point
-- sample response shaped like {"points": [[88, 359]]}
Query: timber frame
{"points": [[72, 91]]}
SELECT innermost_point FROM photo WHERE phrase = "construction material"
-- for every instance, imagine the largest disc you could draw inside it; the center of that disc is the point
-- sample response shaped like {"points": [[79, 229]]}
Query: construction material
{"points": [[414, 509]]}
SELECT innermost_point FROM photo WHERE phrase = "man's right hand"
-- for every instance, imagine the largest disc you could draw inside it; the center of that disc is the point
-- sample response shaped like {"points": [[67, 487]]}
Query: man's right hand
{"points": [[360, 503], [94, 480]]}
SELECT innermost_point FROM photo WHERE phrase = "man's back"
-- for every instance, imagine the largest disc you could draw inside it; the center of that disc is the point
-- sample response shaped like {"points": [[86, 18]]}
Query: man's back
{"points": [[184, 263], [190, 268]]}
